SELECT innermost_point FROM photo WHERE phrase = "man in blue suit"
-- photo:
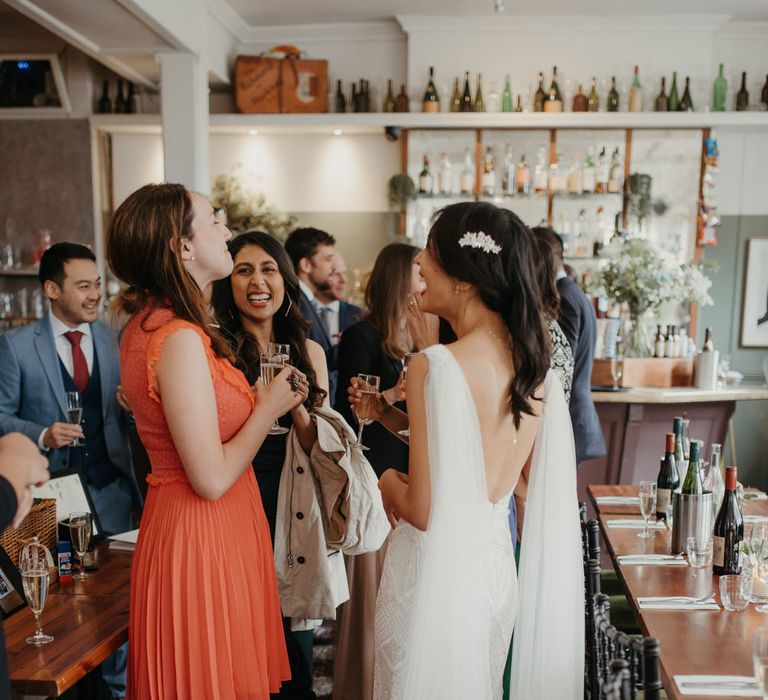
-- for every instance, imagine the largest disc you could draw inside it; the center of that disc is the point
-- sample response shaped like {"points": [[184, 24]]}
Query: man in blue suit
{"points": [[336, 313], [70, 350]]}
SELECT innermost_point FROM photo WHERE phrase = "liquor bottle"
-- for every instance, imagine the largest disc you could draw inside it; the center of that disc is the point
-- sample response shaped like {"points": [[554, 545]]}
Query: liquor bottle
{"points": [[616, 174], [661, 104], [466, 98], [523, 177], [680, 461], [564, 229], [401, 101], [494, 99], [593, 102], [341, 101], [519, 103], [673, 103], [431, 100], [468, 174], [389, 100], [588, 174], [602, 173], [677, 342], [764, 92], [508, 174], [506, 100], [658, 344], [489, 173], [554, 100], [365, 91], [131, 103], [575, 180], [669, 343], [580, 235], [668, 479], [729, 530], [479, 105], [446, 176], [558, 179], [105, 104], [708, 346], [693, 484], [742, 96], [540, 172], [580, 102], [686, 103], [719, 91], [120, 104], [456, 97], [602, 231], [354, 101], [539, 96], [635, 93], [425, 178], [613, 96]]}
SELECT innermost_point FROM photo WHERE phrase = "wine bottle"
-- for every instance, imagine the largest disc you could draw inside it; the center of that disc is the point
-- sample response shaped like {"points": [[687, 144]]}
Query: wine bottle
{"points": [[693, 483], [669, 343], [131, 102], [677, 428], [466, 98], [539, 96], [658, 345], [105, 104], [686, 103], [764, 92], [341, 101], [662, 103], [519, 103], [431, 100], [389, 100], [708, 346], [580, 102], [425, 178], [742, 96], [729, 530], [613, 96], [446, 176], [719, 91], [468, 174], [554, 100], [673, 103], [668, 479], [588, 174], [120, 104], [636, 93], [602, 172], [523, 177], [616, 175], [479, 101], [593, 102], [506, 100], [401, 101], [541, 172], [456, 97]]}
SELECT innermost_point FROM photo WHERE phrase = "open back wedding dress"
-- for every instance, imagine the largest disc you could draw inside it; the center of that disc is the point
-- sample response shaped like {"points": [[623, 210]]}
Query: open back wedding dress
{"points": [[450, 597]]}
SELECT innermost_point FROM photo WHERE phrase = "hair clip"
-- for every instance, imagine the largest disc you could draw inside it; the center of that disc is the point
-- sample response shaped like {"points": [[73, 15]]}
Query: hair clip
{"points": [[479, 239]]}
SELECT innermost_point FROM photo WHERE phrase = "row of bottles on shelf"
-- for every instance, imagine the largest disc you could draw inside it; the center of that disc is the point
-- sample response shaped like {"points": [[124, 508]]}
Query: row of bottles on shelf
{"points": [[591, 175], [585, 236], [123, 103]]}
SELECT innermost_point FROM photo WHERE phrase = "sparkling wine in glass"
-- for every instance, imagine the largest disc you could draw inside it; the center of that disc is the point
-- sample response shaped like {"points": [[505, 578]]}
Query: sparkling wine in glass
{"points": [[75, 413], [760, 659], [272, 363], [80, 534], [617, 371], [647, 505], [368, 384], [406, 359], [35, 579]]}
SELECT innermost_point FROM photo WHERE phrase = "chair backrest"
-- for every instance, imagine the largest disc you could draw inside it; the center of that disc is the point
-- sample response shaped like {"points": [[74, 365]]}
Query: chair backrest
{"points": [[591, 666], [593, 539], [617, 687]]}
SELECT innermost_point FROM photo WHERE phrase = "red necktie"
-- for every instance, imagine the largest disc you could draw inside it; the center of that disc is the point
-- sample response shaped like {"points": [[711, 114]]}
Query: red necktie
{"points": [[78, 360]]}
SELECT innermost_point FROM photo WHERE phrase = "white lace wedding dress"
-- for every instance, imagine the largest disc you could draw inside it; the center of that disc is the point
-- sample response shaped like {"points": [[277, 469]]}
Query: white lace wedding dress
{"points": [[449, 597]]}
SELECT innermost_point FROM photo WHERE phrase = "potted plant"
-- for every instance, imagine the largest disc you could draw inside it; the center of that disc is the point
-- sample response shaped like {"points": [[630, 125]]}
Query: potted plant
{"points": [[401, 190]]}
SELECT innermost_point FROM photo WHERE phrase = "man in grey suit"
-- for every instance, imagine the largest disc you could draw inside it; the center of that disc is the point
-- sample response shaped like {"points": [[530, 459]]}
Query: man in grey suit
{"points": [[70, 350]]}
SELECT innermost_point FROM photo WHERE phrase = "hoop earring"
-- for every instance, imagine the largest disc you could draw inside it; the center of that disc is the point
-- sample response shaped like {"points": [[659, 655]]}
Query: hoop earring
{"points": [[456, 290], [290, 304]]}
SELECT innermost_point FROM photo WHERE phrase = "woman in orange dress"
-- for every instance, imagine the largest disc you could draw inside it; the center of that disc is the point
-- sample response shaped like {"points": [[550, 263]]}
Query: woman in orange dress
{"points": [[205, 617]]}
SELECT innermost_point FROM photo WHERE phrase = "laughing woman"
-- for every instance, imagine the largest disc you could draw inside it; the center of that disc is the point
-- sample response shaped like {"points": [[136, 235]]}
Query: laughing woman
{"points": [[257, 305]]}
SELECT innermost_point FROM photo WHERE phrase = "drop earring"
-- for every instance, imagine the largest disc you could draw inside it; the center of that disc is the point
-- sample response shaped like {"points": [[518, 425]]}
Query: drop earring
{"points": [[456, 290], [290, 304]]}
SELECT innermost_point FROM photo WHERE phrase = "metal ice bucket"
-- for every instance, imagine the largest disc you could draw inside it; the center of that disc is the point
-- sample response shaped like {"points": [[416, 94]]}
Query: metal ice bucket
{"points": [[691, 517]]}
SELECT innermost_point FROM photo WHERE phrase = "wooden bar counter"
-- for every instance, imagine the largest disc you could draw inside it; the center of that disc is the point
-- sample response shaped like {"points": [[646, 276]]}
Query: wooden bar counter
{"points": [[88, 620]]}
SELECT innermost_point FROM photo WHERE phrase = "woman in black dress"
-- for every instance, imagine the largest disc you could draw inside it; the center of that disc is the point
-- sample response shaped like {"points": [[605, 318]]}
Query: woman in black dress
{"points": [[256, 305]]}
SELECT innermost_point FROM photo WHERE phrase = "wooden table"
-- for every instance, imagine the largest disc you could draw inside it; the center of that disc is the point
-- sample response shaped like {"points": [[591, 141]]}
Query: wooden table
{"points": [[692, 642], [88, 620]]}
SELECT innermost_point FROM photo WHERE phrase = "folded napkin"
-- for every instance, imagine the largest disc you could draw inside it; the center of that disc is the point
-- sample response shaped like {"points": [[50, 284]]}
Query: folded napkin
{"points": [[732, 686], [636, 524], [618, 500], [675, 603], [754, 518], [653, 559], [755, 496]]}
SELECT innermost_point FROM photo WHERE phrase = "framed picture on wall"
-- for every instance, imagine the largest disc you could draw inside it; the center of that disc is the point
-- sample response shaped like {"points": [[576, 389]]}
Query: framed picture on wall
{"points": [[754, 310]]}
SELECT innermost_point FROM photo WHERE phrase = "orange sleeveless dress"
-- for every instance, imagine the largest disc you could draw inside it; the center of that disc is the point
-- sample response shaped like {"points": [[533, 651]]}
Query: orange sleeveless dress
{"points": [[205, 618]]}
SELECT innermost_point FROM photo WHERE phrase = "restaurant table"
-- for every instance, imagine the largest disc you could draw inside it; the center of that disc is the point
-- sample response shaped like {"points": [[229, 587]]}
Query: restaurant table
{"points": [[88, 620], [691, 642]]}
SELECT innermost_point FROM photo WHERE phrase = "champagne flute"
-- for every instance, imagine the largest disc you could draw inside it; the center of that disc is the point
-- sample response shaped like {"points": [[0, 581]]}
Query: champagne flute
{"points": [[272, 363], [75, 413], [80, 535], [406, 359], [647, 505], [368, 384], [35, 579], [617, 371], [760, 659]]}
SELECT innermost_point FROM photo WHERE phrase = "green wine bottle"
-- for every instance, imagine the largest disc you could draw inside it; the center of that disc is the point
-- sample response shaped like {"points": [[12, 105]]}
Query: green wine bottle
{"points": [[479, 101], [431, 100], [686, 102], [673, 103], [718, 92], [466, 98], [613, 97], [506, 100], [456, 98], [593, 102], [668, 480], [693, 484]]}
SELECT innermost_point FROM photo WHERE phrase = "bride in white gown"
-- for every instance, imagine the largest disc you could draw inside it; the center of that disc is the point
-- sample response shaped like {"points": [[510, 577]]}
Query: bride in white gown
{"points": [[485, 415]]}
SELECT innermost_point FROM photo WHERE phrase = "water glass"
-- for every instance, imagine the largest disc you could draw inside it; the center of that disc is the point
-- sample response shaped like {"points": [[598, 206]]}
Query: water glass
{"points": [[735, 592], [647, 505], [760, 659], [699, 549]]}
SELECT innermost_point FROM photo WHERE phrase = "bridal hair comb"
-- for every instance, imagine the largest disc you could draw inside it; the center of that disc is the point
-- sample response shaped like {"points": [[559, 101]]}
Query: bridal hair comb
{"points": [[481, 240]]}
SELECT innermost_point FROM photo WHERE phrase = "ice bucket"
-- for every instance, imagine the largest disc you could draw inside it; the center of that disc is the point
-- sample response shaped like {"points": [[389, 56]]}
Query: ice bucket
{"points": [[692, 517]]}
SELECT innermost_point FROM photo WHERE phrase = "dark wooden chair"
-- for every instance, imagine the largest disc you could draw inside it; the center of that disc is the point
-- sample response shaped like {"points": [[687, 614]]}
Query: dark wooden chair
{"points": [[617, 687]]}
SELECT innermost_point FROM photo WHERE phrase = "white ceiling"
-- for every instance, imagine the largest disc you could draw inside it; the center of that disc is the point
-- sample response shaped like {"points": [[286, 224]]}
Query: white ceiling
{"points": [[278, 12]]}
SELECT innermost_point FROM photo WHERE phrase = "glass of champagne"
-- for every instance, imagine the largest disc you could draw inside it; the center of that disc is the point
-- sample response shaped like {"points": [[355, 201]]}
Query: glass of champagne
{"points": [[368, 384], [760, 659], [35, 578], [272, 363], [80, 535], [406, 359], [647, 505], [617, 371], [75, 413]]}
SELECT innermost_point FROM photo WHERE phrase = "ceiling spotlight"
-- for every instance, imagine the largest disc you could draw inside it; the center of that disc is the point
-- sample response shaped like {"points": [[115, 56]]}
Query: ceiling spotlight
{"points": [[498, 6], [253, 132], [337, 132]]}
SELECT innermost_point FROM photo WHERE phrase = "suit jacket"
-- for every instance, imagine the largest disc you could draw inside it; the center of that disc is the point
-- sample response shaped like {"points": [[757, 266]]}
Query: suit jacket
{"points": [[577, 319], [32, 392]]}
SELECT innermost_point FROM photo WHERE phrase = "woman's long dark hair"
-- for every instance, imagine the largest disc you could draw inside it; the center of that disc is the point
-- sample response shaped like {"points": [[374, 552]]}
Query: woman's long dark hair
{"points": [[508, 283], [288, 325], [550, 297]]}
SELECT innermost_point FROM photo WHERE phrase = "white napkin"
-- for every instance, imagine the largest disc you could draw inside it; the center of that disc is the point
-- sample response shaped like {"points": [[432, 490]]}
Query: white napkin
{"points": [[699, 686], [636, 524], [674, 603], [618, 500], [754, 518], [652, 560], [755, 496]]}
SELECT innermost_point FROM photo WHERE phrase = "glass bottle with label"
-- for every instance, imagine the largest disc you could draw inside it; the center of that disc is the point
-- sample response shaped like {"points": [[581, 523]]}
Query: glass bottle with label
{"points": [[506, 99], [539, 96], [523, 177], [729, 530], [554, 100], [466, 97], [686, 102], [669, 343], [540, 172], [673, 103], [713, 481], [431, 100], [508, 176], [401, 101], [580, 102], [658, 345], [719, 91], [742, 96], [468, 174], [479, 105], [588, 174], [677, 342], [613, 96], [693, 484], [446, 176], [489, 173], [616, 174], [564, 229], [456, 97], [602, 172], [425, 178], [680, 460], [389, 100], [635, 93], [593, 102], [575, 185], [661, 104], [668, 480]]}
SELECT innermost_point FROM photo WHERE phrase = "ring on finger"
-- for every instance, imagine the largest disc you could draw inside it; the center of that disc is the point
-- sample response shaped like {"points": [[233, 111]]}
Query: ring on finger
{"points": [[293, 380]]}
